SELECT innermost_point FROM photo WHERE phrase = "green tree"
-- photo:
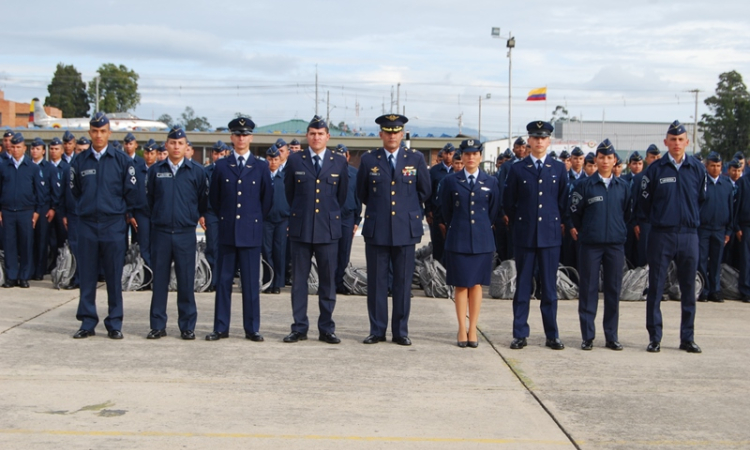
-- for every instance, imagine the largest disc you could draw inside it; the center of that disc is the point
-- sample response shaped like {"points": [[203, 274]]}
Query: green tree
{"points": [[67, 91], [190, 122], [166, 119], [118, 88], [726, 130]]}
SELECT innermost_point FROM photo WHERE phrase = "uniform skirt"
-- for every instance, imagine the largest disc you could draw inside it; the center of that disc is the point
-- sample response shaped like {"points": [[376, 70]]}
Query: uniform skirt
{"points": [[468, 269]]}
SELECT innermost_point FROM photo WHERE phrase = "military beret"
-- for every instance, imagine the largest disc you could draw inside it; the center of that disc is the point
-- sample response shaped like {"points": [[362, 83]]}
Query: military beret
{"points": [[714, 157], [242, 126], [471, 145], [37, 142], [519, 141], [280, 142], [391, 123], [17, 138], [98, 120], [341, 148], [736, 164], [129, 137], [653, 150], [7, 133], [605, 148], [218, 146], [317, 123], [273, 152], [68, 136], [539, 128], [83, 140], [635, 156], [449, 148], [676, 128], [176, 133], [294, 142], [55, 141], [739, 156], [564, 155], [576, 151], [149, 146]]}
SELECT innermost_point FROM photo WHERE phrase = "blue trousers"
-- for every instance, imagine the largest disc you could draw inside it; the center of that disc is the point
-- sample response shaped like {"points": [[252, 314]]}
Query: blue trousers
{"points": [[744, 251], [41, 245], [526, 259], [662, 249], [57, 237], [611, 257], [73, 225], [643, 247], [438, 242], [180, 248], [274, 249], [325, 257], [18, 237], [379, 259], [212, 244], [710, 255], [248, 260], [345, 248], [143, 235], [101, 243]]}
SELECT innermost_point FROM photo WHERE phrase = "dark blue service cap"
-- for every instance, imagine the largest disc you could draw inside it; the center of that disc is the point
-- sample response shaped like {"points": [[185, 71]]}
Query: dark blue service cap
{"points": [[714, 157], [440, 153], [653, 150], [618, 159], [590, 158], [391, 123], [98, 120], [317, 123], [218, 146], [457, 155], [564, 154], [508, 154], [576, 151], [294, 142], [520, 141], [129, 137], [37, 142], [341, 148], [605, 148], [553, 154], [280, 142], [83, 140], [449, 148], [471, 145], [176, 133], [17, 138], [273, 152], [241, 125], [736, 164], [635, 157], [7, 133], [116, 144], [699, 158], [68, 136], [539, 128], [738, 156], [676, 128], [149, 146], [55, 141], [500, 157], [161, 147]]}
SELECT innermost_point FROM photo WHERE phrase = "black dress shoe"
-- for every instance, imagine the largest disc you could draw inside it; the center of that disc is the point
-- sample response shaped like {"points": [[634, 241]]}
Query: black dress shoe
{"points": [[518, 343], [702, 298], [403, 340], [295, 336], [343, 291], [211, 289], [587, 344], [215, 336], [472, 344], [255, 337], [101, 279], [372, 339], [82, 334], [715, 298], [156, 334], [329, 338], [276, 291], [690, 347], [654, 347], [614, 345], [267, 290], [37, 278], [555, 344], [70, 287], [9, 283], [115, 334], [23, 283], [188, 335]]}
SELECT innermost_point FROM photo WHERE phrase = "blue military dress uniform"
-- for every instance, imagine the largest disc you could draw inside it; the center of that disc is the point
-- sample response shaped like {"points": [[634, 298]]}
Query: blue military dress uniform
{"points": [[59, 234], [142, 211], [212, 224], [742, 223], [599, 214], [275, 228], [178, 201], [535, 199], [671, 199], [351, 216], [437, 173], [716, 222], [392, 227], [49, 184]]}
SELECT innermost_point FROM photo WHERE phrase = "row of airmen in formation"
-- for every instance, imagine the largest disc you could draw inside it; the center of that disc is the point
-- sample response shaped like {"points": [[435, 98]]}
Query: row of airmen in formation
{"points": [[299, 204]]}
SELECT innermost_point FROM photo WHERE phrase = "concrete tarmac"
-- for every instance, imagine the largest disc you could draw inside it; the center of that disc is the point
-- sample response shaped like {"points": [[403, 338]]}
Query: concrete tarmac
{"points": [[57, 392]]}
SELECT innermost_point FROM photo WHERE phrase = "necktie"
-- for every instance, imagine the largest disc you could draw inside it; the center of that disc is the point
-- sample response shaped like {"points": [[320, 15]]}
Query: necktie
{"points": [[393, 166], [97, 155], [316, 158], [241, 163], [539, 165], [471, 182]]}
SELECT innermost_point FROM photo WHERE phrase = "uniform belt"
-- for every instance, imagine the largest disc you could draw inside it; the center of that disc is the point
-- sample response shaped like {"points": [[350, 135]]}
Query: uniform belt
{"points": [[25, 208], [678, 230], [173, 230]]}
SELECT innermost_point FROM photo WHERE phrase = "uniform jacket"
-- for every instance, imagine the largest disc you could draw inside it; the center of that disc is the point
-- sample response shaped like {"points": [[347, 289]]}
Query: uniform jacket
{"points": [[315, 201], [672, 200], [49, 185], [104, 188], [598, 213], [141, 172], [535, 203], [209, 170], [742, 204], [352, 206], [62, 183], [176, 201], [241, 200], [393, 214], [280, 209], [21, 189], [469, 213], [717, 211], [502, 176], [638, 216], [437, 173]]}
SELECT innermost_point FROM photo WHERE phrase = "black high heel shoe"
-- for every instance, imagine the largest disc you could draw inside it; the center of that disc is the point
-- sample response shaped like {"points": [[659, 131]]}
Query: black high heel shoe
{"points": [[472, 344], [461, 344]]}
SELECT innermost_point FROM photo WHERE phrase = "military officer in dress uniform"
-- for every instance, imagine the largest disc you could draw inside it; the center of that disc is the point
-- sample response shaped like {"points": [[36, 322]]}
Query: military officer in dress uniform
{"points": [[140, 222], [503, 222], [104, 182], [22, 203], [437, 173], [177, 191], [294, 146], [69, 146], [565, 159], [351, 216], [161, 152], [82, 144], [241, 194], [742, 231], [732, 249], [652, 154], [316, 182], [716, 225], [58, 234], [576, 164], [211, 219], [47, 214], [599, 209], [641, 227], [393, 181], [672, 192], [276, 224], [535, 198]]}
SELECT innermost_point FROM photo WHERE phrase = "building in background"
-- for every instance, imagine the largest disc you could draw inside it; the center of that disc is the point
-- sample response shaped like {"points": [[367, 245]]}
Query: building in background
{"points": [[16, 114]]}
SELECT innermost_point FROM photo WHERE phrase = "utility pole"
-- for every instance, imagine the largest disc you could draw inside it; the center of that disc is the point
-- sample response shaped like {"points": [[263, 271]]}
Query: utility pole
{"points": [[479, 137], [510, 44], [328, 108], [695, 120], [316, 89], [96, 101], [398, 97], [460, 121]]}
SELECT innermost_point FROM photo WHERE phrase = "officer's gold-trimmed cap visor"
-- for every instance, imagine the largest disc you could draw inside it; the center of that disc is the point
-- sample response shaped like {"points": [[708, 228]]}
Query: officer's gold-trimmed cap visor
{"points": [[392, 129]]}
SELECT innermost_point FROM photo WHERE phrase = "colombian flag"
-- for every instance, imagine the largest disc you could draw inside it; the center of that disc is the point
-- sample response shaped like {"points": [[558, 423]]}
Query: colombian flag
{"points": [[536, 95]]}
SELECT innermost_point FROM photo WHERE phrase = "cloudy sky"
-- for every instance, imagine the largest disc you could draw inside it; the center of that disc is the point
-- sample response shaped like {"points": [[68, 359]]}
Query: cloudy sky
{"points": [[623, 61]]}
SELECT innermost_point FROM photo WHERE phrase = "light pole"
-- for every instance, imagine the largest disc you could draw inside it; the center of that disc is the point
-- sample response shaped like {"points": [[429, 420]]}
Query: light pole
{"points": [[510, 44]]}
